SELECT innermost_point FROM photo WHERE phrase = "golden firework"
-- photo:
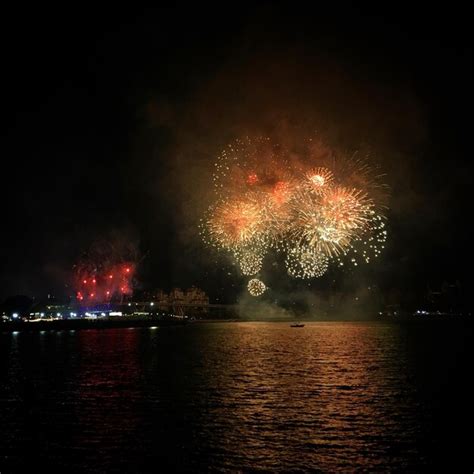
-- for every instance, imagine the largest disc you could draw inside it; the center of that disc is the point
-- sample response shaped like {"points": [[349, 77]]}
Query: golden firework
{"points": [[316, 208], [256, 287]]}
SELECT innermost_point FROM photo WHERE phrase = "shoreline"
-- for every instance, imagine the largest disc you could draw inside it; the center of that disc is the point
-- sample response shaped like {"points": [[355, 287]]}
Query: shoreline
{"points": [[73, 324], [78, 324]]}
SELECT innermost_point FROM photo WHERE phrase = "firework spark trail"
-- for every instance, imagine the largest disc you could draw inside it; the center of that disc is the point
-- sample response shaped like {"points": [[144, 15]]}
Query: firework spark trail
{"points": [[105, 273], [317, 210], [98, 284]]}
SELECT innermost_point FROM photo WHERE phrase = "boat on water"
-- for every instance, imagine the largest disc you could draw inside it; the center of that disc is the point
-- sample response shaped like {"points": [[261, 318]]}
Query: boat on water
{"points": [[297, 325]]}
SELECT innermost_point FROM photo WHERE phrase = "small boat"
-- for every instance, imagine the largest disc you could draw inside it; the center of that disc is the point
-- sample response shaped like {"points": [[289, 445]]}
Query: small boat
{"points": [[297, 325]]}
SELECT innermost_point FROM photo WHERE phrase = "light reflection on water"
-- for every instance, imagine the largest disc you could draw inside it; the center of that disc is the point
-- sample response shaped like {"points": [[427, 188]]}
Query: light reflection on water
{"points": [[231, 396]]}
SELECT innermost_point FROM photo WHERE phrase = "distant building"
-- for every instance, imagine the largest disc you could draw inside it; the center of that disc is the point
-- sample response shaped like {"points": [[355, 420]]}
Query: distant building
{"points": [[192, 300], [176, 296], [196, 296], [161, 300]]}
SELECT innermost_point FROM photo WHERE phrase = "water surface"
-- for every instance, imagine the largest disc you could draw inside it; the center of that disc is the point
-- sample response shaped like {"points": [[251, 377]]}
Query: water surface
{"points": [[237, 397]]}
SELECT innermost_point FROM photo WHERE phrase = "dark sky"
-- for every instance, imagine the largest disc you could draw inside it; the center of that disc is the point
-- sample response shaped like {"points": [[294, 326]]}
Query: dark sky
{"points": [[114, 117]]}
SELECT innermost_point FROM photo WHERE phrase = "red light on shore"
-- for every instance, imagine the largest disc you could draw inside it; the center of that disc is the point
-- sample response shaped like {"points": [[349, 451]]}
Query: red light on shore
{"points": [[111, 276], [85, 282], [91, 295], [108, 293], [93, 281], [127, 270]]}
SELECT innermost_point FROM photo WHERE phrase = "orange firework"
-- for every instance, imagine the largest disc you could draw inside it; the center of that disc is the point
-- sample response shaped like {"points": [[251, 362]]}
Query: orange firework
{"points": [[235, 223], [282, 192], [346, 209], [252, 179], [313, 205], [329, 222]]}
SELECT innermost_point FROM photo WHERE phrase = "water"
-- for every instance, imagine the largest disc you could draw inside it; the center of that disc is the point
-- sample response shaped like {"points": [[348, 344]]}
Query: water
{"points": [[238, 397]]}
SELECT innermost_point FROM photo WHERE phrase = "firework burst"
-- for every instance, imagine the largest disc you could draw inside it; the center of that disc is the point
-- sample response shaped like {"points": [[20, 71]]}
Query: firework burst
{"points": [[256, 287], [250, 260], [305, 262], [235, 223], [314, 212], [319, 180], [106, 272]]}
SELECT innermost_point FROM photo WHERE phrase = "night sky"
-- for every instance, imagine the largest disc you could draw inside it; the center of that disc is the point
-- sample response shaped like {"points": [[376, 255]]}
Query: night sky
{"points": [[114, 118]]}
